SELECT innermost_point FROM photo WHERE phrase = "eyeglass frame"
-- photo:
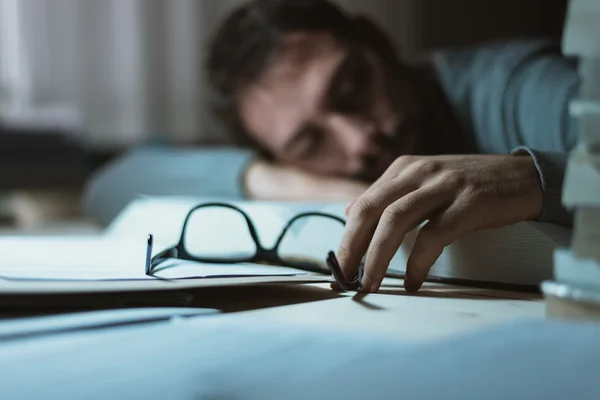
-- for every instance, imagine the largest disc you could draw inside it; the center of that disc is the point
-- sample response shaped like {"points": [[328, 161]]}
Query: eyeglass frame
{"points": [[262, 254]]}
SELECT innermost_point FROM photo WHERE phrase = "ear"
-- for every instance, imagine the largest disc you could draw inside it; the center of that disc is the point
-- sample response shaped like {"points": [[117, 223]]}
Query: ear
{"points": [[371, 35]]}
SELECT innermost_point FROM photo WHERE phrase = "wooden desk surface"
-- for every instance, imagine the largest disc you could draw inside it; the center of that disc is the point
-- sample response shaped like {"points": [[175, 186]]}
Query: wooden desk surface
{"points": [[435, 312]]}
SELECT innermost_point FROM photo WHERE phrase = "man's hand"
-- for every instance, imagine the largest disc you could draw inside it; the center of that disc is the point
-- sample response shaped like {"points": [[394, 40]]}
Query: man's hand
{"points": [[267, 181], [454, 194]]}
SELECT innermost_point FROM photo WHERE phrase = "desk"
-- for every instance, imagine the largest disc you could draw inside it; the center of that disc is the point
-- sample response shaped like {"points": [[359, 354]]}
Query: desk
{"points": [[250, 358], [435, 312]]}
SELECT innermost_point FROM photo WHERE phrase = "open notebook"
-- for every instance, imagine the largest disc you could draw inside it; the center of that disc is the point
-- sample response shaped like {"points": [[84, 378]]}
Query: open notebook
{"points": [[120, 253], [521, 254]]}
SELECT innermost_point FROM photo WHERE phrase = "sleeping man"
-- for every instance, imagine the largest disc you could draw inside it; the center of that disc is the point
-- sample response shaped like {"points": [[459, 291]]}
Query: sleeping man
{"points": [[326, 110]]}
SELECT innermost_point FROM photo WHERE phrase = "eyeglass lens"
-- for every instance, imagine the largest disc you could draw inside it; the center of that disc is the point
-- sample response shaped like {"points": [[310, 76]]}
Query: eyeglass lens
{"points": [[216, 232]]}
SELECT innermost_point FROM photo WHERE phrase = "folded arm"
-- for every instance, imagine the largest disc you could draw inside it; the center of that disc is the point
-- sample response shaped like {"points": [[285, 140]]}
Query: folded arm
{"points": [[226, 173], [150, 171]]}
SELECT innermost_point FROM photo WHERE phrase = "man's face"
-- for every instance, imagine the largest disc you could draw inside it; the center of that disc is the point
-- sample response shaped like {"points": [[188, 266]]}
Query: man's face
{"points": [[332, 110]]}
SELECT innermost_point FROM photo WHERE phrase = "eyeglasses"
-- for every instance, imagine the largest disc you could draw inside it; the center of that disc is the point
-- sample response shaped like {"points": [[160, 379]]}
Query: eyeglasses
{"points": [[223, 233]]}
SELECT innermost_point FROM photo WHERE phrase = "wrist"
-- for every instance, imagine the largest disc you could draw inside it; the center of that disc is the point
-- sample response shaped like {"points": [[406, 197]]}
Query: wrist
{"points": [[265, 180], [256, 177], [246, 177], [533, 194]]}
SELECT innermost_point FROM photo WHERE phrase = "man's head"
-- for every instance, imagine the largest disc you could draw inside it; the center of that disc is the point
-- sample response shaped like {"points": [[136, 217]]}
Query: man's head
{"points": [[314, 87]]}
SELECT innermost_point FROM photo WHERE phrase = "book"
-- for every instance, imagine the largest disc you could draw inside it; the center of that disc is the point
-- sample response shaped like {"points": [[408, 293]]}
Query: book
{"points": [[116, 260], [106, 258], [516, 255], [121, 252]]}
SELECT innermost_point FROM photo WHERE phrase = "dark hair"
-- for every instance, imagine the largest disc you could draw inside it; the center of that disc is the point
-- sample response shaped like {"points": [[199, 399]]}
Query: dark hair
{"points": [[248, 40]]}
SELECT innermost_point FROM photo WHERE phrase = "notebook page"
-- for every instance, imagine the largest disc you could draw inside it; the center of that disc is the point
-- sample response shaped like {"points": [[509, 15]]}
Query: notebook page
{"points": [[106, 258], [243, 357], [519, 254], [163, 217]]}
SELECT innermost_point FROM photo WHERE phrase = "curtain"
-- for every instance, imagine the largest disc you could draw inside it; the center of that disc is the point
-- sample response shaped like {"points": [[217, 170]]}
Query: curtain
{"points": [[122, 72]]}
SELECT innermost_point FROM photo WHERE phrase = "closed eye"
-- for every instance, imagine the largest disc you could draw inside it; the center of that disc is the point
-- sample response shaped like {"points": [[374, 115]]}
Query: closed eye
{"points": [[311, 143], [349, 91]]}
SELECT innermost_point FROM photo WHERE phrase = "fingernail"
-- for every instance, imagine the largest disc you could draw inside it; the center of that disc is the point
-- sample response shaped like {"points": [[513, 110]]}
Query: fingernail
{"points": [[411, 284]]}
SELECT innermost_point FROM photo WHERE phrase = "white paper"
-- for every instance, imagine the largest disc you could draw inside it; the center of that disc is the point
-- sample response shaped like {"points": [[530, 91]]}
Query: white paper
{"points": [[120, 253], [164, 216], [85, 320], [106, 258]]}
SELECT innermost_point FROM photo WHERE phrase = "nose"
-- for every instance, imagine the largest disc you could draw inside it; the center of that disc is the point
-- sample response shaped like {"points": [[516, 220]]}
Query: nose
{"points": [[355, 136]]}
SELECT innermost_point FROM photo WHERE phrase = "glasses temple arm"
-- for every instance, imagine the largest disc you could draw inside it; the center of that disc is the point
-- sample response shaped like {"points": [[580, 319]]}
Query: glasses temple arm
{"points": [[151, 262]]}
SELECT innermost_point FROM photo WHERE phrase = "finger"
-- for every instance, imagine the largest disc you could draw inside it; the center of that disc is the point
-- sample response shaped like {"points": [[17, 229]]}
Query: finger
{"points": [[348, 207], [398, 219], [363, 218], [413, 165], [406, 166], [354, 243], [431, 241]]}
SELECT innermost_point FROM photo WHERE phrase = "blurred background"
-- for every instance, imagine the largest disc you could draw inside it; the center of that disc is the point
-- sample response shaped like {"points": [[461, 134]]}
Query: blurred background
{"points": [[82, 81]]}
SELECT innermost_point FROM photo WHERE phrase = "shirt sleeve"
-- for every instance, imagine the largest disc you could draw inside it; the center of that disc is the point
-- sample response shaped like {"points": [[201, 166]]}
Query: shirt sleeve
{"points": [[513, 97], [551, 168], [164, 171]]}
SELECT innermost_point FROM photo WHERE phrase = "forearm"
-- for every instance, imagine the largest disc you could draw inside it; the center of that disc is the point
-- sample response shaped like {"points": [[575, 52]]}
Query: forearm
{"points": [[266, 181], [551, 167], [155, 172]]}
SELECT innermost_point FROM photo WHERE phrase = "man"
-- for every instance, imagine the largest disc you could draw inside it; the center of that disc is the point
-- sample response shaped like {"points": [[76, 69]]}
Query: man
{"points": [[476, 138]]}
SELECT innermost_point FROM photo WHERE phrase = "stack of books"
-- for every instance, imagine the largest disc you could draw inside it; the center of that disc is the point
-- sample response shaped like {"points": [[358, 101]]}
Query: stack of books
{"points": [[575, 291]]}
